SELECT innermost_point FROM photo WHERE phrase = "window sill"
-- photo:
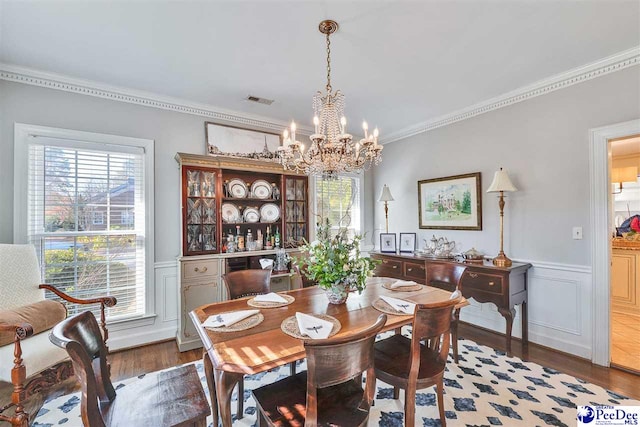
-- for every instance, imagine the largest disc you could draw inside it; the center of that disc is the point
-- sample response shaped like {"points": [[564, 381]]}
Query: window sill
{"points": [[131, 322]]}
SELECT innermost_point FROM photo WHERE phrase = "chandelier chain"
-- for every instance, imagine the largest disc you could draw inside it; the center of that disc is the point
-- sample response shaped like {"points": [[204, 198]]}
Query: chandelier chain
{"points": [[328, 64]]}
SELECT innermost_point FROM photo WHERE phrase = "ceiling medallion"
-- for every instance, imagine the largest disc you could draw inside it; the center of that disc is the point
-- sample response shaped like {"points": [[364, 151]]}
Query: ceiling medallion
{"points": [[332, 150]]}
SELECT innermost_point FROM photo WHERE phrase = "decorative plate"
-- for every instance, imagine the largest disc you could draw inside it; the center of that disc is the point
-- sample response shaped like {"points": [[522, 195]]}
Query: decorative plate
{"points": [[261, 189], [237, 188], [270, 212], [251, 215], [268, 304], [230, 212], [290, 326]]}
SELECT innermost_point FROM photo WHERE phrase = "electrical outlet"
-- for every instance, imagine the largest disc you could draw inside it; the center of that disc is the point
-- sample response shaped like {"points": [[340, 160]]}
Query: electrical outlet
{"points": [[577, 233]]}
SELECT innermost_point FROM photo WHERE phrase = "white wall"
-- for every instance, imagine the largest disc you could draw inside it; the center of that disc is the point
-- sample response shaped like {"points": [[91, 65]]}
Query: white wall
{"points": [[543, 143]]}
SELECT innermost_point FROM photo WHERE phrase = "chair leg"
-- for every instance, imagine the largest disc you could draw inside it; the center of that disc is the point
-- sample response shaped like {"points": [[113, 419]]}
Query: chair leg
{"points": [[240, 412], [440, 394], [292, 368], [454, 334], [396, 393], [410, 406]]}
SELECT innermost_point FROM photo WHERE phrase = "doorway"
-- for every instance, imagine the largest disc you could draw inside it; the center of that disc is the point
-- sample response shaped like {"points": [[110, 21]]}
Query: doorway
{"points": [[625, 253], [600, 232]]}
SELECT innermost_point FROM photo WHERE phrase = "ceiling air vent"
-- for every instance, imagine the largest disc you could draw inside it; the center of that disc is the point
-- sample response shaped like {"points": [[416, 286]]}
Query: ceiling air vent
{"points": [[259, 100]]}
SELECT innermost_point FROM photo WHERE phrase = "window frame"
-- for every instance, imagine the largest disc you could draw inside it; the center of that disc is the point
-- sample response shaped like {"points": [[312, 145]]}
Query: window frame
{"points": [[23, 133], [314, 202]]}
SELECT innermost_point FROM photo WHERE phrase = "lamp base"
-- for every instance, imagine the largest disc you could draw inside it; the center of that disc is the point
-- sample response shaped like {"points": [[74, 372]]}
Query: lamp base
{"points": [[502, 261]]}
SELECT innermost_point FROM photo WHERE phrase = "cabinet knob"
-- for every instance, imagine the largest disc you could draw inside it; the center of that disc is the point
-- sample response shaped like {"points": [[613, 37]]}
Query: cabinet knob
{"points": [[491, 283], [473, 275], [385, 261], [409, 269], [197, 270], [395, 266]]}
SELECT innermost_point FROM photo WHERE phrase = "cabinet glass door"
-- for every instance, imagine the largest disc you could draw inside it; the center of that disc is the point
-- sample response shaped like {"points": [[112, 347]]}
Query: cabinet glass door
{"points": [[296, 215], [199, 211]]}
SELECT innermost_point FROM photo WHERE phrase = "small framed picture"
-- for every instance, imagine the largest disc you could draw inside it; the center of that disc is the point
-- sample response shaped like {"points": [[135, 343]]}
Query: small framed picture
{"points": [[388, 243], [407, 243]]}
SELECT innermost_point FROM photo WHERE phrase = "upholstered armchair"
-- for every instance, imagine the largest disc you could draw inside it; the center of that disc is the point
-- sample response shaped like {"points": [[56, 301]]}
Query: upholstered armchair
{"points": [[28, 360]]}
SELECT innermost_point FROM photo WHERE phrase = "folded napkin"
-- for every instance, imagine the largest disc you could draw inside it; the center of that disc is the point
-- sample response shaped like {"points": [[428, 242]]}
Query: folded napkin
{"points": [[400, 305], [270, 297], [228, 319], [403, 283], [455, 294], [266, 263], [313, 327]]}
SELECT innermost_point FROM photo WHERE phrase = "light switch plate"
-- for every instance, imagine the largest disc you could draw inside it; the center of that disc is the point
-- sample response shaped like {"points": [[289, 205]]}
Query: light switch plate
{"points": [[577, 233]]}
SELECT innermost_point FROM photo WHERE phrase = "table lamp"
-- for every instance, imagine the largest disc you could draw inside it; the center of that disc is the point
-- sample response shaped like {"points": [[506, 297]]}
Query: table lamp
{"points": [[501, 183], [386, 197]]}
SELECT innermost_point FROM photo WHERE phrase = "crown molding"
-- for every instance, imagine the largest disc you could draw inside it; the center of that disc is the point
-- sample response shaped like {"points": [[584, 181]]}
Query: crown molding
{"points": [[29, 76], [617, 62], [13, 73]]}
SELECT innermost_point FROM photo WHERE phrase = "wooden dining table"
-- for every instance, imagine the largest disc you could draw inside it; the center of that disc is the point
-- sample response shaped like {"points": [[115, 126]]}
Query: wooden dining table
{"points": [[228, 356]]}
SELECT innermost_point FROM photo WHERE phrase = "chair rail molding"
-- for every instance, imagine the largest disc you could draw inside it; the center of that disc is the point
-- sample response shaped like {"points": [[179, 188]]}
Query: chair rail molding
{"points": [[600, 220], [610, 64]]}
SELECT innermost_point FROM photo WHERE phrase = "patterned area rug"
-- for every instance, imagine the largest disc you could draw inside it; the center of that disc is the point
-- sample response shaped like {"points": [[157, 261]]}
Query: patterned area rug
{"points": [[486, 389]]}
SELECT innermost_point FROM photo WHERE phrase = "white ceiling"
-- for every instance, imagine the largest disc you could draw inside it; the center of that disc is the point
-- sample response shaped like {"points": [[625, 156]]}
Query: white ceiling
{"points": [[398, 62], [625, 147]]}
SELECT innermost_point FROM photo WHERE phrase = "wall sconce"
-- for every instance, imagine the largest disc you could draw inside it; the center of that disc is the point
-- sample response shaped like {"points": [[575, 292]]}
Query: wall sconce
{"points": [[620, 175], [386, 197]]}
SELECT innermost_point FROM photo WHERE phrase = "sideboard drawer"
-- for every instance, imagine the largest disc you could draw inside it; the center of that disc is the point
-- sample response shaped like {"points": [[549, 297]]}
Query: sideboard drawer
{"points": [[393, 265], [482, 282], [199, 268], [415, 271]]}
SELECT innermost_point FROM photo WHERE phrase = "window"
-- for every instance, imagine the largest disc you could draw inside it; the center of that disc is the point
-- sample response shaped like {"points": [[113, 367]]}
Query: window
{"points": [[338, 200], [78, 190]]}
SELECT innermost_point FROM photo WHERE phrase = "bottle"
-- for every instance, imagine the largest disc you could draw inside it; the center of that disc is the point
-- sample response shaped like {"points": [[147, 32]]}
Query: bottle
{"points": [[277, 239], [249, 242], [239, 239]]}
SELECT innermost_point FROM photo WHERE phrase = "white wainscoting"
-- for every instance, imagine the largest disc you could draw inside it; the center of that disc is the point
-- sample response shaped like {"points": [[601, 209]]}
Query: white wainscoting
{"points": [[560, 309], [159, 326]]}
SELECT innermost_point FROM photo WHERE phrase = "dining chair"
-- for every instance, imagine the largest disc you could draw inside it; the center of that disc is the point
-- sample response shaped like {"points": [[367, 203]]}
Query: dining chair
{"points": [[448, 277], [408, 364], [170, 398], [244, 283], [330, 392]]}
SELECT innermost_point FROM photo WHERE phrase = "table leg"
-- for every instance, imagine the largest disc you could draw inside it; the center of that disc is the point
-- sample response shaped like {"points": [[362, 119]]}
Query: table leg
{"points": [[208, 373], [525, 328], [225, 381], [508, 315]]}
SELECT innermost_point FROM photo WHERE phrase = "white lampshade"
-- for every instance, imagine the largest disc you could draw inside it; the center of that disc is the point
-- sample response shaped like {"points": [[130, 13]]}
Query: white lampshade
{"points": [[628, 174], [385, 195], [501, 182]]}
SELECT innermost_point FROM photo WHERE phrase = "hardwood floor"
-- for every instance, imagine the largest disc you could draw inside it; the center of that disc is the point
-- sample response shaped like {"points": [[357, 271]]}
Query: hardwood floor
{"points": [[153, 357], [625, 341]]}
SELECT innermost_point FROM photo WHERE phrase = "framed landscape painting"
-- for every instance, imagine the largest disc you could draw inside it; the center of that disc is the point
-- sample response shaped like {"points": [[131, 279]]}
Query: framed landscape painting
{"points": [[229, 140], [451, 203]]}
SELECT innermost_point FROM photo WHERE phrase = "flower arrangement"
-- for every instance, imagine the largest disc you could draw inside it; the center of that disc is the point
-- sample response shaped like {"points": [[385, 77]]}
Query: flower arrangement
{"points": [[334, 263]]}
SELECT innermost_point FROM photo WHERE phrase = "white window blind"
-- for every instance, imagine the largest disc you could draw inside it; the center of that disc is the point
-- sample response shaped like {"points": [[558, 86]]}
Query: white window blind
{"points": [[338, 199], [86, 218]]}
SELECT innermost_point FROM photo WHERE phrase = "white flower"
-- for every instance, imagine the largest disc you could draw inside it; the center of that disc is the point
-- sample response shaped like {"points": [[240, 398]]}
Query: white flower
{"points": [[346, 267]]}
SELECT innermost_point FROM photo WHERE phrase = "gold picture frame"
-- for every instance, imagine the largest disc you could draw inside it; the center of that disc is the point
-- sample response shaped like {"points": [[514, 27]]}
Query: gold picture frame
{"points": [[451, 202]]}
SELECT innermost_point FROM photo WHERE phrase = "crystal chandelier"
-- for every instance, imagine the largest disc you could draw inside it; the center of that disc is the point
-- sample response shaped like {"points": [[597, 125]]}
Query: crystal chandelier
{"points": [[332, 150]]}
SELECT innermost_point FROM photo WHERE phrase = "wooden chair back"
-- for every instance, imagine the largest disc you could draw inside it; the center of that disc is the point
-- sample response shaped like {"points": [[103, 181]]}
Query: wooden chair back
{"points": [[337, 360], [431, 323], [80, 336], [244, 283], [444, 275]]}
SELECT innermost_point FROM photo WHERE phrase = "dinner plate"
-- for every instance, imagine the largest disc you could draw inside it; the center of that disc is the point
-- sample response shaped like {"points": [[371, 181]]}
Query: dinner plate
{"points": [[251, 215], [230, 212], [269, 212], [261, 189], [237, 188]]}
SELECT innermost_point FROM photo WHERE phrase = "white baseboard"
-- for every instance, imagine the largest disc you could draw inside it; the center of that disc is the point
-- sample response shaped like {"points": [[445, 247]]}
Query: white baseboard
{"points": [[126, 338]]}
